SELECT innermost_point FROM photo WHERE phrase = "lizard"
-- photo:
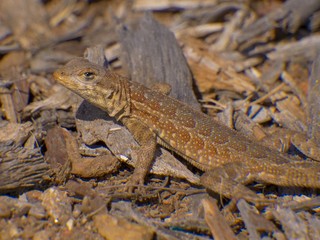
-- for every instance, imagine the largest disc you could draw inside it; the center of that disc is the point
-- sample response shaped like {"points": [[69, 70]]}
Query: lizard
{"points": [[229, 159]]}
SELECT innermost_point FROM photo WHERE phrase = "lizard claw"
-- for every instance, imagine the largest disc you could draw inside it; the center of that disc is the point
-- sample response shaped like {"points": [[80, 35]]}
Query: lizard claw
{"points": [[134, 182]]}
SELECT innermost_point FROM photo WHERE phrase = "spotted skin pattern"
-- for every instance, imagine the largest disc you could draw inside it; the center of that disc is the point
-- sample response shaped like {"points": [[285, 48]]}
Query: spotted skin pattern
{"points": [[229, 159]]}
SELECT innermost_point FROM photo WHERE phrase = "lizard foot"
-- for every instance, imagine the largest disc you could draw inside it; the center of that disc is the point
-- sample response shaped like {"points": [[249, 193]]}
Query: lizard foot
{"points": [[135, 182]]}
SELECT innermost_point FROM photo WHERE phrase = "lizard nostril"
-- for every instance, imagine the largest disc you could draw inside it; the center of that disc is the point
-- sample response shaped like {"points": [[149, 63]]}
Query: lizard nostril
{"points": [[57, 74]]}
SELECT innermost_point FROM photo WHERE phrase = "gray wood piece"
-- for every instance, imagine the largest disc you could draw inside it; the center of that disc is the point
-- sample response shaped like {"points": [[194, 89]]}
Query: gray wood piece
{"points": [[151, 54], [313, 102], [20, 168], [95, 54]]}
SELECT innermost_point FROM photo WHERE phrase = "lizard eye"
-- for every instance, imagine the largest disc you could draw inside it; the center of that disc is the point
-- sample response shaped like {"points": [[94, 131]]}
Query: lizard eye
{"points": [[89, 76]]}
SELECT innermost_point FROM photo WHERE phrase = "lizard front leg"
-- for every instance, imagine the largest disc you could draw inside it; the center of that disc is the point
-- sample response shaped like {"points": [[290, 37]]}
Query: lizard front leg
{"points": [[148, 142]]}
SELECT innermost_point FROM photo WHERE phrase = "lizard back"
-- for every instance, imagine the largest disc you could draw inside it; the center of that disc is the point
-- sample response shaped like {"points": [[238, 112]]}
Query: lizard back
{"points": [[193, 134], [153, 117]]}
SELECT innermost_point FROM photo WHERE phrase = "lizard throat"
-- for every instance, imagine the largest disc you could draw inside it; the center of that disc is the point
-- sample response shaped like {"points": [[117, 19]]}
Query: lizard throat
{"points": [[119, 104]]}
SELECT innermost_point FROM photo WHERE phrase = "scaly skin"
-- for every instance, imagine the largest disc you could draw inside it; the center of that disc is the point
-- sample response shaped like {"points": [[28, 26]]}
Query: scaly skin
{"points": [[228, 158]]}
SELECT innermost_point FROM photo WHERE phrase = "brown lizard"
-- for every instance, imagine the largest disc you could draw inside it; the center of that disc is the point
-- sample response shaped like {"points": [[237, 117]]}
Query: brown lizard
{"points": [[229, 159]]}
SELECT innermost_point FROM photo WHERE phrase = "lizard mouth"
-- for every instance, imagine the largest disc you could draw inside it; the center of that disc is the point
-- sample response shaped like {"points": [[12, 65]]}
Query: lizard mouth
{"points": [[59, 75]]}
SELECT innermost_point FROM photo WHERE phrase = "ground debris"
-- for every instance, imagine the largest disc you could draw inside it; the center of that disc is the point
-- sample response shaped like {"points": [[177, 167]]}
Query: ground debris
{"points": [[112, 227], [64, 163], [21, 168]]}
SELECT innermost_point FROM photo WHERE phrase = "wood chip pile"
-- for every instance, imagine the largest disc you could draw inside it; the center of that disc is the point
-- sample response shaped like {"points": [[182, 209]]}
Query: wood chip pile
{"points": [[252, 65]]}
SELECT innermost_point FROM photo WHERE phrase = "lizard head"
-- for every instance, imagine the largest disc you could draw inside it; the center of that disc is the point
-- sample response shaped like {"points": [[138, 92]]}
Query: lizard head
{"points": [[93, 82]]}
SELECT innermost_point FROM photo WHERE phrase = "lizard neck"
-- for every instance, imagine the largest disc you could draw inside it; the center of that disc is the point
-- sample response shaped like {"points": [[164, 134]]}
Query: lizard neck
{"points": [[120, 102], [124, 99]]}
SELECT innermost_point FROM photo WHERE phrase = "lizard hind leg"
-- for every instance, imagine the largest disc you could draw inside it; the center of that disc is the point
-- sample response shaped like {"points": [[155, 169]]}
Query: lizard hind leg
{"points": [[229, 180]]}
